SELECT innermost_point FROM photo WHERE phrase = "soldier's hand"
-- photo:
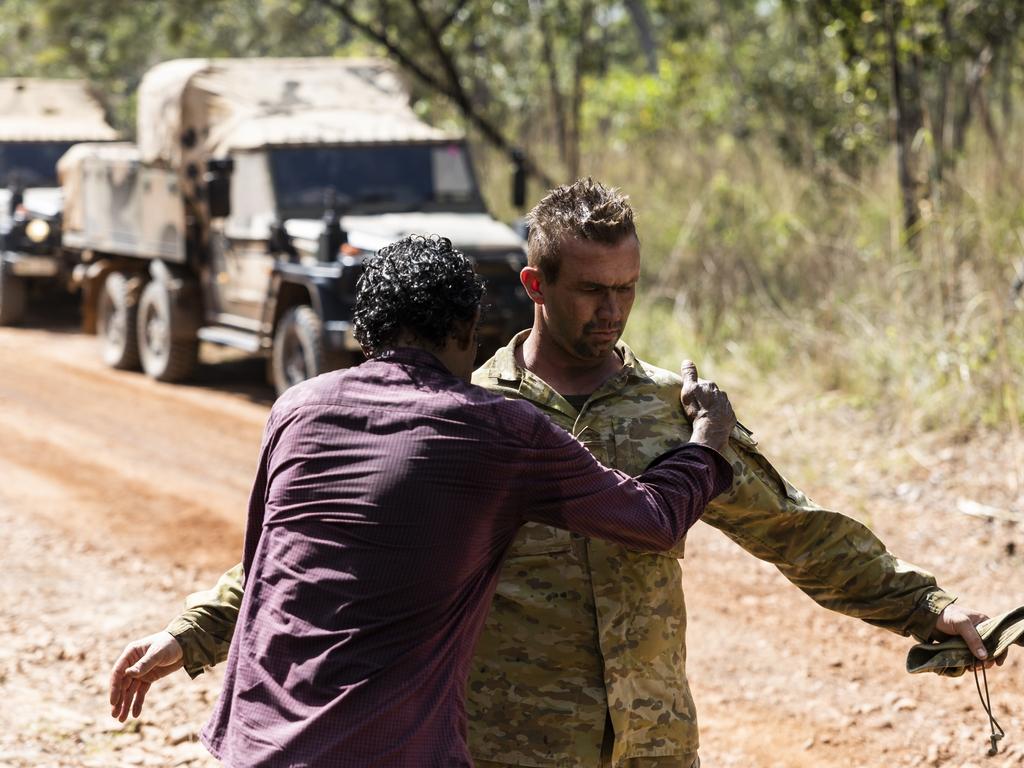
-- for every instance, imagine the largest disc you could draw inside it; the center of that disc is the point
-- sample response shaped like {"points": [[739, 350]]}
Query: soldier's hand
{"points": [[955, 621], [707, 407], [140, 664]]}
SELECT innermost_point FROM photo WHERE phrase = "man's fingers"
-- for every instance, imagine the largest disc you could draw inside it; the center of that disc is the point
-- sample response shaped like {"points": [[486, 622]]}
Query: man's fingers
{"points": [[117, 674], [140, 697], [133, 687], [688, 370], [970, 635]]}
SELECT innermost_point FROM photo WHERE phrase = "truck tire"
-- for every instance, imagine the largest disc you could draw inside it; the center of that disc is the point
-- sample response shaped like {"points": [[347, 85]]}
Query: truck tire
{"points": [[298, 351], [116, 311], [12, 298], [166, 352]]}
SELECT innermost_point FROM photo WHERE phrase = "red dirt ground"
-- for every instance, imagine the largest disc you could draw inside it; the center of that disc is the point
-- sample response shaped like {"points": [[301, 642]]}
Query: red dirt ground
{"points": [[120, 495]]}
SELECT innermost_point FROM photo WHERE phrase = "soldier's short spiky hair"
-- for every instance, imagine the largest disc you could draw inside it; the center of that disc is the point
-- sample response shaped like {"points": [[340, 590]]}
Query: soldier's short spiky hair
{"points": [[421, 286], [583, 210]]}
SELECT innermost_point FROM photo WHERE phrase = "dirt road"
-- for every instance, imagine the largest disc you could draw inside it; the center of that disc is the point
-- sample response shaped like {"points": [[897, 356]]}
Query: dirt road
{"points": [[120, 495]]}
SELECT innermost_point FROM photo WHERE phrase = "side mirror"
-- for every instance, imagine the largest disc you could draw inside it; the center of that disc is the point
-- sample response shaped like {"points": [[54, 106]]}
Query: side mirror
{"points": [[279, 241], [518, 180], [218, 187]]}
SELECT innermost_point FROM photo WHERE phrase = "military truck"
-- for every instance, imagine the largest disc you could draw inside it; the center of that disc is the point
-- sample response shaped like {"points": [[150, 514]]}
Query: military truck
{"points": [[243, 213], [39, 120]]}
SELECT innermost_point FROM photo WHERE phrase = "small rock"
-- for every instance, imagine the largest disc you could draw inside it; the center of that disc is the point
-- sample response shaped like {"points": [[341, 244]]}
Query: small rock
{"points": [[189, 753], [879, 722], [181, 734], [905, 704]]}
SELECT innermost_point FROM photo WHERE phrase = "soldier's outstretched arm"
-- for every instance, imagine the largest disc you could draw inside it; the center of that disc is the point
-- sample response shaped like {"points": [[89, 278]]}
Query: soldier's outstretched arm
{"points": [[834, 559]]}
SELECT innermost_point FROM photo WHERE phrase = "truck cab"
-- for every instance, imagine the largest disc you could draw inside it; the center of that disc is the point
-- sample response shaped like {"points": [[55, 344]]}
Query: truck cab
{"points": [[286, 256], [39, 121], [243, 215]]}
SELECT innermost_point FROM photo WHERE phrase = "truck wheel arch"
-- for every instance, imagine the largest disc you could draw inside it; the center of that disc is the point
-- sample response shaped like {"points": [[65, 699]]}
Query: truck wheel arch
{"points": [[91, 282], [289, 294], [298, 350]]}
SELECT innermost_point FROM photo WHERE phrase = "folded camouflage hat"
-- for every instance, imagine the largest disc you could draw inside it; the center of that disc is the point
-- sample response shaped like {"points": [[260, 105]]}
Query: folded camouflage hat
{"points": [[952, 657]]}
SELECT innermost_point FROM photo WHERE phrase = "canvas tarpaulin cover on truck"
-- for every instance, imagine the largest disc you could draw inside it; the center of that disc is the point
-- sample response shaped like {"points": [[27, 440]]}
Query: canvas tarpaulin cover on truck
{"points": [[116, 205], [192, 109], [36, 109]]}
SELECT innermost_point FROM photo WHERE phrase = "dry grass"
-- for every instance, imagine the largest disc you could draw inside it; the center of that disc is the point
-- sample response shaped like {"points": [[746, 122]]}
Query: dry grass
{"points": [[754, 267]]}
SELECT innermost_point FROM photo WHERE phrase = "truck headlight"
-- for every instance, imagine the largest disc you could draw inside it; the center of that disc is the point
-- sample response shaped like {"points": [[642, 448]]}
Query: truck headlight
{"points": [[37, 230]]}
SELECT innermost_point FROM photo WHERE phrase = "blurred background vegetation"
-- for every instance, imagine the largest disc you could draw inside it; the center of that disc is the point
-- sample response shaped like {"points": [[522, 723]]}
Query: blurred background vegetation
{"points": [[827, 189]]}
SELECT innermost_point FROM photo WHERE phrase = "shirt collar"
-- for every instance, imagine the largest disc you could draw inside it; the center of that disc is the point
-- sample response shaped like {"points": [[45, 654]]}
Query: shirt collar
{"points": [[411, 356], [506, 370]]}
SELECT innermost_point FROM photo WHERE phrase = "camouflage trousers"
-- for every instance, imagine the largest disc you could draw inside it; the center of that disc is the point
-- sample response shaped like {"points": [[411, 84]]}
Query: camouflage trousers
{"points": [[676, 761], [690, 760]]}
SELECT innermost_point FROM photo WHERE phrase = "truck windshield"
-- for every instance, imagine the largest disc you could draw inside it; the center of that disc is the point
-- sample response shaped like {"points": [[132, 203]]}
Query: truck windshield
{"points": [[30, 163], [372, 179]]}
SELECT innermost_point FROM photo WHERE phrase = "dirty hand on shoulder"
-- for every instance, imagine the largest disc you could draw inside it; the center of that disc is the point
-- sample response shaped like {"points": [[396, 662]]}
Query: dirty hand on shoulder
{"points": [[707, 407]]}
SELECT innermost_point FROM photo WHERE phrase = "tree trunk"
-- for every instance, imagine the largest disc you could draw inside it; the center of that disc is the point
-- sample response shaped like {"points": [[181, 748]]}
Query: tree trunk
{"points": [[909, 122], [576, 105], [642, 21], [555, 91]]}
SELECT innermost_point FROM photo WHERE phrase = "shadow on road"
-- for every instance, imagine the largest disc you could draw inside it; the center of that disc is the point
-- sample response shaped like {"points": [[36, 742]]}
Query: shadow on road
{"points": [[243, 376], [56, 314], [219, 369]]}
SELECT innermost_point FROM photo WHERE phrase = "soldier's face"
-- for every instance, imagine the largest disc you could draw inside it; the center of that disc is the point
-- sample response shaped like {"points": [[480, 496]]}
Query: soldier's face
{"points": [[584, 311]]}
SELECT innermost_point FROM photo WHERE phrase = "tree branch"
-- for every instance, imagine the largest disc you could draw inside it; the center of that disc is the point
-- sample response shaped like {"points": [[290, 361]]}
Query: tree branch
{"points": [[451, 89], [458, 94], [447, 21], [380, 36]]}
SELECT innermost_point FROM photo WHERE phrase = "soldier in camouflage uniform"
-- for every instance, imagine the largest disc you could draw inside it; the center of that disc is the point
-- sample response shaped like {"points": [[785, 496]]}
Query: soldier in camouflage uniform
{"points": [[582, 660]]}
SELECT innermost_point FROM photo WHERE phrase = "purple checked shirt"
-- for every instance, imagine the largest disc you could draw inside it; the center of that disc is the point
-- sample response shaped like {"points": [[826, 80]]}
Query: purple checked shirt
{"points": [[385, 500]]}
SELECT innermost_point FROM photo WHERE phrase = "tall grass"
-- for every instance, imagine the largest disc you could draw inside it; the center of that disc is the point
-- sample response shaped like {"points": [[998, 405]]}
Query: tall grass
{"points": [[760, 269]]}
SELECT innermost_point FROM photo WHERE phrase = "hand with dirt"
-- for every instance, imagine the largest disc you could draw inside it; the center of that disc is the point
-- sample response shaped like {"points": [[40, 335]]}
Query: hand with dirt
{"points": [[707, 407], [140, 664]]}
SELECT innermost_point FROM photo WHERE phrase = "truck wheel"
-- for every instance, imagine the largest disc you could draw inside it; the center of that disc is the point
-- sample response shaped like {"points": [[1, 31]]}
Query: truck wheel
{"points": [[298, 351], [166, 353], [115, 322], [12, 298]]}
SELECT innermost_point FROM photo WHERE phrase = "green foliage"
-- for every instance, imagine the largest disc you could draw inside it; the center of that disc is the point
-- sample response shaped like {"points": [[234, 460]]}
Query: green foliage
{"points": [[113, 42], [756, 140]]}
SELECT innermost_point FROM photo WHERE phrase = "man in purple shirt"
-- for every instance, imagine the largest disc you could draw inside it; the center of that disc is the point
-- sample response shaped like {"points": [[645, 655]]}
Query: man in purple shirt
{"points": [[386, 498]]}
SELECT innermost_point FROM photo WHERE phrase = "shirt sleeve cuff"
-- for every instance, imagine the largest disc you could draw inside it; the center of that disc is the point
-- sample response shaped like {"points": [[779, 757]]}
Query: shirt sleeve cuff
{"points": [[926, 614], [184, 632]]}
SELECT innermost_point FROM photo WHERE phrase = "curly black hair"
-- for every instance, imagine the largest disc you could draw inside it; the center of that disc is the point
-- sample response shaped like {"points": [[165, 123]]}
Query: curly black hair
{"points": [[421, 286]]}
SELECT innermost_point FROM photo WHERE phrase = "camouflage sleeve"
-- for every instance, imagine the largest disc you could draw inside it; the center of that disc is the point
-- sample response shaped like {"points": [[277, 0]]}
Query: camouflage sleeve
{"points": [[834, 559], [205, 627]]}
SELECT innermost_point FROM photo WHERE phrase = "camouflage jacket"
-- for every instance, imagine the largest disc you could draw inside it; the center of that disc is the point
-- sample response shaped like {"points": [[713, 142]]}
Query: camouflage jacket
{"points": [[581, 630]]}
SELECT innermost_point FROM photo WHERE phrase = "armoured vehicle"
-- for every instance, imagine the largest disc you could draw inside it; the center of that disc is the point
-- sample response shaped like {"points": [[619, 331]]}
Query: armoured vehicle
{"points": [[243, 213], [39, 120]]}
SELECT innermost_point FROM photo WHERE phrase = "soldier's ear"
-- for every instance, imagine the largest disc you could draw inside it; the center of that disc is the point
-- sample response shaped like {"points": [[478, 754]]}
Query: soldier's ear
{"points": [[533, 282]]}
